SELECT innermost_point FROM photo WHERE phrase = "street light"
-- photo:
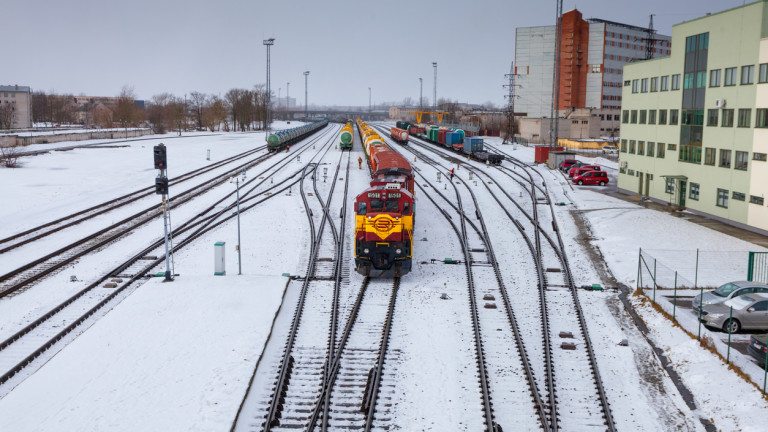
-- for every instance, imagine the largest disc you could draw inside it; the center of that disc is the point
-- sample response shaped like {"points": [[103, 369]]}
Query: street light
{"points": [[236, 180], [434, 96], [306, 95], [369, 99], [421, 98], [268, 43]]}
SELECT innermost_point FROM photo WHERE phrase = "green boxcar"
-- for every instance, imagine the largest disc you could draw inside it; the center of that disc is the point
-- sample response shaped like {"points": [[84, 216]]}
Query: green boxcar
{"points": [[432, 133]]}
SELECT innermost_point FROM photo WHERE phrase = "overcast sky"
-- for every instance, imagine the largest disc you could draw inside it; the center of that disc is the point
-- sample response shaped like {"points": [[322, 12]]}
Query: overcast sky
{"points": [[96, 47]]}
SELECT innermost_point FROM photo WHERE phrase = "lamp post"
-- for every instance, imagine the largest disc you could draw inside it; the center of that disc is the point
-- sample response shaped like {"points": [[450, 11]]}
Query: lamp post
{"points": [[236, 180], [268, 43], [369, 99], [288, 95], [421, 98], [306, 95], [434, 95]]}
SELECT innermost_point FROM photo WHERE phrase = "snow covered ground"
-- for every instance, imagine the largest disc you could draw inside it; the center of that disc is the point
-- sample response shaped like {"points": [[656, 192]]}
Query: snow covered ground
{"points": [[178, 356]]}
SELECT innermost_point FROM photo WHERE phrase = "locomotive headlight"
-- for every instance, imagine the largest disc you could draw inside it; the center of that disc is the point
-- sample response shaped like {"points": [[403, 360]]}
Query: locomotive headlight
{"points": [[398, 251], [365, 251]]}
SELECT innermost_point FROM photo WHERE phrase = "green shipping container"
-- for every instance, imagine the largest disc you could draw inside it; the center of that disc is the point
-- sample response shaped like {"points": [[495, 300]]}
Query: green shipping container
{"points": [[433, 134]]}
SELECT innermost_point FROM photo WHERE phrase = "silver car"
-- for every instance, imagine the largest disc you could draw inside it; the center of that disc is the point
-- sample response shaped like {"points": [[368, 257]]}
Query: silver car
{"points": [[750, 311], [727, 292]]}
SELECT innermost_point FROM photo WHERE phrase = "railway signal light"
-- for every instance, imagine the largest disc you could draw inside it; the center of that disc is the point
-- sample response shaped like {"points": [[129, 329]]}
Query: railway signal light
{"points": [[161, 185], [161, 159]]}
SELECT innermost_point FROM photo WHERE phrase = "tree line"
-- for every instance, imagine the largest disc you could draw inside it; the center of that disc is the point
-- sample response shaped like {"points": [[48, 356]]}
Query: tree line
{"points": [[239, 109]]}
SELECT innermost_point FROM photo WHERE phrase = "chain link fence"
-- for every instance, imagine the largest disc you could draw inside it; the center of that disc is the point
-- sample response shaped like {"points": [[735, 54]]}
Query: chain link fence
{"points": [[670, 269]]}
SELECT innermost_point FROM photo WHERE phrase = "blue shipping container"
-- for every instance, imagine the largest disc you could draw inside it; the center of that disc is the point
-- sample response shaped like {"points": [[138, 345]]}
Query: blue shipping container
{"points": [[472, 144], [452, 138]]}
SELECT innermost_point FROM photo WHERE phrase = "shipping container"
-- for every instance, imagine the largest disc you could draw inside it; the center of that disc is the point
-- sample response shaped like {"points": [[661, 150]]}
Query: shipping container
{"points": [[541, 153], [452, 138], [432, 133], [473, 144]]}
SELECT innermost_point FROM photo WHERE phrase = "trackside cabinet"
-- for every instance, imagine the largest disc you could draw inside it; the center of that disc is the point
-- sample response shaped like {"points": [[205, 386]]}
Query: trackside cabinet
{"points": [[218, 257]]}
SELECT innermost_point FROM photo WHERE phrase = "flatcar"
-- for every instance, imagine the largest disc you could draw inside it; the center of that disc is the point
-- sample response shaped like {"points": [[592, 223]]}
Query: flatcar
{"points": [[277, 141], [456, 140], [384, 211], [346, 139]]}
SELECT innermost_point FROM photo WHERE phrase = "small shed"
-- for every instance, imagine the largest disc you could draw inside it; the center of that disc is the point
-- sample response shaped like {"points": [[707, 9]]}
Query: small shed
{"points": [[556, 157]]}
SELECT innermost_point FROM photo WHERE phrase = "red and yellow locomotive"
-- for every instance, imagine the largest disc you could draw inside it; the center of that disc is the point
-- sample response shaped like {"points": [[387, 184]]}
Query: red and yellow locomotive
{"points": [[384, 212]]}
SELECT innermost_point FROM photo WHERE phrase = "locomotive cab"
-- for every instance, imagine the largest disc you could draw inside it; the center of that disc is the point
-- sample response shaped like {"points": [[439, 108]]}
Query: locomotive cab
{"points": [[384, 231]]}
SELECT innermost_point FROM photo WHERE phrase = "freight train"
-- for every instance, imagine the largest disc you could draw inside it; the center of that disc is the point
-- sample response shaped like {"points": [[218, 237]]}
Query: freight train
{"points": [[454, 139], [277, 141], [399, 135], [384, 211], [346, 139]]}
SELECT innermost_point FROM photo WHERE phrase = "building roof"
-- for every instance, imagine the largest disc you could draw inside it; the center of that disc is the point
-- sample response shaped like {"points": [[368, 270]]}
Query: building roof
{"points": [[15, 88], [613, 23]]}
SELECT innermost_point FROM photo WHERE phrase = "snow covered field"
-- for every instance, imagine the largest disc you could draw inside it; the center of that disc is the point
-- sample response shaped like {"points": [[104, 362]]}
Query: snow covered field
{"points": [[178, 356]]}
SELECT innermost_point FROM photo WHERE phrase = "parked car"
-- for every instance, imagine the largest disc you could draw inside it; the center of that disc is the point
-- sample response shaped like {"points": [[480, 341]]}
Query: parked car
{"points": [[609, 149], [578, 170], [566, 164], [592, 177], [750, 311], [757, 348], [727, 292]]}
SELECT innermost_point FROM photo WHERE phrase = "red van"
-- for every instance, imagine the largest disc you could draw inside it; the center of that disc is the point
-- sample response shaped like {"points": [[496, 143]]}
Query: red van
{"points": [[578, 170], [566, 164], [592, 177]]}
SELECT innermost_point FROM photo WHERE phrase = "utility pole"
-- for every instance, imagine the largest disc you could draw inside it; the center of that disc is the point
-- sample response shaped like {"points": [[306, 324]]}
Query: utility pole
{"points": [[650, 40], [421, 98], [434, 90], [268, 43], [369, 99], [288, 95], [306, 95], [510, 103], [553, 132], [237, 179]]}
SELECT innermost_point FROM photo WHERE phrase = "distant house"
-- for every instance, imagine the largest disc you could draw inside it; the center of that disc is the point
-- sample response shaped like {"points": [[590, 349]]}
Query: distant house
{"points": [[18, 101]]}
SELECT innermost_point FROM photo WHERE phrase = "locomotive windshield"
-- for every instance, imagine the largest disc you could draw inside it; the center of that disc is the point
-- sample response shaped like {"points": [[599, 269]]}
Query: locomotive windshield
{"points": [[361, 208], [392, 206], [377, 205]]}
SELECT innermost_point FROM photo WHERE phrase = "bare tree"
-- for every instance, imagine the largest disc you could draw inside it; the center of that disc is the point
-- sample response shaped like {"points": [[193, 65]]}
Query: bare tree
{"points": [[6, 116], [9, 154], [102, 116], [125, 112], [198, 101], [214, 113]]}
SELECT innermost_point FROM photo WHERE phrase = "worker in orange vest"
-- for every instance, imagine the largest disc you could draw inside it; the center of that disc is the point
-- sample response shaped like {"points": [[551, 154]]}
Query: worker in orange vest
{"points": [[451, 174], [287, 148], [360, 163]]}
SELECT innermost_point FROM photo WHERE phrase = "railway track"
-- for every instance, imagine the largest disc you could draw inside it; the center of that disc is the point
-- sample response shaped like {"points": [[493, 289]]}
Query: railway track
{"points": [[29, 273], [41, 231], [27, 345], [569, 407]]}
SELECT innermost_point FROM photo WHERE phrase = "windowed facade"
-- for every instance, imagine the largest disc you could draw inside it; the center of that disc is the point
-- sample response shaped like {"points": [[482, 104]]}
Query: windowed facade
{"points": [[722, 198]]}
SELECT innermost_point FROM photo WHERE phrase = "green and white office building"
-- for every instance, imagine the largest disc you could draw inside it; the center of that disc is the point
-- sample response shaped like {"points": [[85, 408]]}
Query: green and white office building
{"points": [[694, 127]]}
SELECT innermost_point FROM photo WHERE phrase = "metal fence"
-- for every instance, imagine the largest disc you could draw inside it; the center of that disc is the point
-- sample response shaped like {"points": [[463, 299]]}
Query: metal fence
{"points": [[758, 267], [669, 269]]}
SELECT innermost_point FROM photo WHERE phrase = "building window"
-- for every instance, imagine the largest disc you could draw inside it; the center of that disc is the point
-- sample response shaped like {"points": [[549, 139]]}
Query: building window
{"points": [[665, 83], [625, 116], [759, 156], [712, 117], [739, 196], [756, 200], [651, 116], [641, 148], [676, 82], [714, 78], [673, 116], [660, 152], [626, 83], [671, 147], [722, 198], [644, 85], [694, 192], [688, 81], [662, 117], [742, 159], [730, 76], [632, 146], [725, 158], [643, 116], [623, 146], [670, 186], [748, 74], [635, 86], [727, 118], [709, 156], [761, 117], [655, 84], [633, 117], [763, 73], [651, 147], [744, 115]]}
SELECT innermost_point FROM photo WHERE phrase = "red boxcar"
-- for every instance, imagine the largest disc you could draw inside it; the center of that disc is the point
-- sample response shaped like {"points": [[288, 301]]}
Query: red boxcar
{"points": [[413, 130], [542, 153]]}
